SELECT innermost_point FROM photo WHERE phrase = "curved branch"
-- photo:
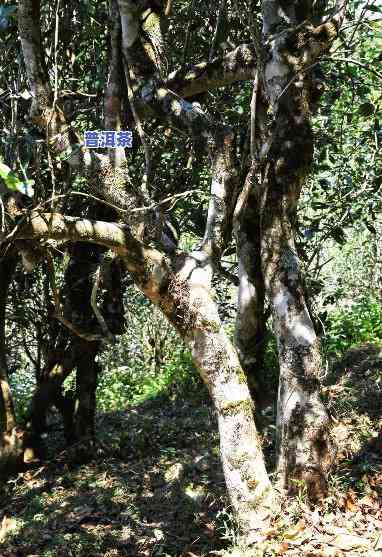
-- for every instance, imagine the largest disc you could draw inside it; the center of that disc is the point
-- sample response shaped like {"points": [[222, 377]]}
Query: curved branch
{"points": [[148, 266], [238, 65]]}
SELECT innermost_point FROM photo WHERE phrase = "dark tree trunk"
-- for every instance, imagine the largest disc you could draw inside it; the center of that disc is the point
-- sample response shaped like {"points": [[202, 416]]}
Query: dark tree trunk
{"points": [[49, 389], [7, 411], [86, 386], [16, 447], [251, 329]]}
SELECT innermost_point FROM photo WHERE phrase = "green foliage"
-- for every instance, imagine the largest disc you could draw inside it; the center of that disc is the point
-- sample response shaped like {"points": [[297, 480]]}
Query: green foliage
{"points": [[359, 323], [132, 384], [11, 180], [22, 384]]}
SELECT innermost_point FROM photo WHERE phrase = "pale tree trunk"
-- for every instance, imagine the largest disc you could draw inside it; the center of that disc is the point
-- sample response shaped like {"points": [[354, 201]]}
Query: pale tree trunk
{"points": [[248, 484], [377, 275], [305, 450]]}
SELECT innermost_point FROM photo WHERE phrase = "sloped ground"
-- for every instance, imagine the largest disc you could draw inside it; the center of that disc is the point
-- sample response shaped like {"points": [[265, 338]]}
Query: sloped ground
{"points": [[156, 487], [350, 522]]}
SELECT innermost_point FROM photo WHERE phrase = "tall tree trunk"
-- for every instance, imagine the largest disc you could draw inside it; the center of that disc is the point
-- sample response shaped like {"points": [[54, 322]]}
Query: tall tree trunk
{"points": [[194, 313], [305, 450], [86, 386], [7, 411], [16, 448], [377, 275], [180, 287], [49, 390]]}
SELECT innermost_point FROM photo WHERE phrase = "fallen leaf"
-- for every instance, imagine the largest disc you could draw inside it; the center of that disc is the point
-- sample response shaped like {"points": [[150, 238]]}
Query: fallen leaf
{"points": [[331, 552], [350, 502], [295, 530], [378, 543], [367, 501], [348, 541], [282, 548]]}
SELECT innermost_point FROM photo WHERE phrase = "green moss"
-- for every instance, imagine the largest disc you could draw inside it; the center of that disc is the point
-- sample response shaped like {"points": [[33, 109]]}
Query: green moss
{"points": [[212, 326], [240, 374], [238, 407]]}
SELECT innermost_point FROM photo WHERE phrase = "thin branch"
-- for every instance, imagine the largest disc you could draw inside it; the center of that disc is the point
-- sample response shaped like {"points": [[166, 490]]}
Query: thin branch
{"points": [[58, 313], [93, 300], [217, 28], [189, 21], [253, 116], [57, 22], [173, 199], [146, 147], [355, 62]]}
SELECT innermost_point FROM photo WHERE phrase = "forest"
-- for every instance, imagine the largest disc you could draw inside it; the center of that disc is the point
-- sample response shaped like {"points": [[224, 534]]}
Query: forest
{"points": [[190, 278]]}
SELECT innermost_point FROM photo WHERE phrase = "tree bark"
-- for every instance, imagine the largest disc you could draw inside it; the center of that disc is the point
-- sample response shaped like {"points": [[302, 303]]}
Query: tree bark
{"points": [[305, 450], [49, 390], [7, 411], [180, 285], [250, 334], [248, 484], [86, 386]]}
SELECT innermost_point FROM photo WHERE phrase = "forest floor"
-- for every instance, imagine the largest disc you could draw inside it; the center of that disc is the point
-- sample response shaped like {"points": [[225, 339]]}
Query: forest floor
{"points": [[155, 485]]}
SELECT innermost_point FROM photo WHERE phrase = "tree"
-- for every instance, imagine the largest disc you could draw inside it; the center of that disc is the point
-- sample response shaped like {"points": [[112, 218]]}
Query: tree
{"points": [[282, 60]]}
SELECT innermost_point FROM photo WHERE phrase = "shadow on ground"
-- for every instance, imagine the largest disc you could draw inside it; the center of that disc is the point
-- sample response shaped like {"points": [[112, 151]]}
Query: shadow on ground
{"points": [[354, 396], [154, 485], [154, 488]]}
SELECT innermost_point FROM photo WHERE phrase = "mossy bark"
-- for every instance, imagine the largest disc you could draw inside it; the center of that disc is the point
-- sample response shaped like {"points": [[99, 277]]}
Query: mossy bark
{"points": [[292, 87], [249, 488]]}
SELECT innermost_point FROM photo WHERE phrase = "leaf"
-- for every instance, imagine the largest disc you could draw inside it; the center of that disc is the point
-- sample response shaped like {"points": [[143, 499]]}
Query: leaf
{"points": [[366, 109], [282, 548], [350, 502], [375, 9], [293, 533], [7, 525], [10, 179], [348, 541], [367, 501], [378, 543]]}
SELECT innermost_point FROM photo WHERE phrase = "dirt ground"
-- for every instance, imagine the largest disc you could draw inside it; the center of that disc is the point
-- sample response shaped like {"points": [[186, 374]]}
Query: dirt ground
{"points": [[155, 487]]}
